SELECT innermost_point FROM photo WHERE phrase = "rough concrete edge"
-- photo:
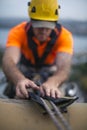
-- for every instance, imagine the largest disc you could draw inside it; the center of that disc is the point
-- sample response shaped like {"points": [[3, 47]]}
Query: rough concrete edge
{"points": [[18, 101]]}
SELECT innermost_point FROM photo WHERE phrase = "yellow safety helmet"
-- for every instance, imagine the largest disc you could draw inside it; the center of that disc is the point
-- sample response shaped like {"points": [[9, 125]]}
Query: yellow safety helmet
{"points": [[46, 10]]}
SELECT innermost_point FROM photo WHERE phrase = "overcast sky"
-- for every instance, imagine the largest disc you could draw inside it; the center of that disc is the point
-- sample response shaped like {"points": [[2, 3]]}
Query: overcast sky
{"points": [[70, 9]]}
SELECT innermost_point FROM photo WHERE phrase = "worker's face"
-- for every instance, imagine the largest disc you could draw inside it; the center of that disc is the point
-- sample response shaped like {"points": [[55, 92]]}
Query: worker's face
{"points": [[42, 33]]}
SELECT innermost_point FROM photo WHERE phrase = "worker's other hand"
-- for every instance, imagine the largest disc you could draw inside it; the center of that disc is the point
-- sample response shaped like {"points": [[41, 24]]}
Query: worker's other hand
{"points": [[49, 88], [22, 88]]}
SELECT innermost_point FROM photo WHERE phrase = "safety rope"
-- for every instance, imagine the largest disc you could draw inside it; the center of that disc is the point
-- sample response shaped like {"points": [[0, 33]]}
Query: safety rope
{"points": [[63, 125]]}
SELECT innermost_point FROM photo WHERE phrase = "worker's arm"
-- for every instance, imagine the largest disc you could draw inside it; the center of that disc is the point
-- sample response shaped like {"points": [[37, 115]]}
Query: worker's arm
{"points": [[50, 87], [10, 59]]}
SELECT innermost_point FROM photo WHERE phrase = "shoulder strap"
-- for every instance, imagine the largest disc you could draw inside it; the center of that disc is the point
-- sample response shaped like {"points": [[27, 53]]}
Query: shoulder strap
{"points": [[33, 46]]}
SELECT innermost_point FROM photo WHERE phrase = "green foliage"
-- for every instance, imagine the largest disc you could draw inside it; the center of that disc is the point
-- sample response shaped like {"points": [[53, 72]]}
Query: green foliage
{"points": [[81, 68], [1, 54], [79, 74]]}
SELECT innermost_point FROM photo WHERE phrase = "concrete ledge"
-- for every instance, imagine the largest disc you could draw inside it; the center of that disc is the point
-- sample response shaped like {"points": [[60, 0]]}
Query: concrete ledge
{"points": [[24, 115]]}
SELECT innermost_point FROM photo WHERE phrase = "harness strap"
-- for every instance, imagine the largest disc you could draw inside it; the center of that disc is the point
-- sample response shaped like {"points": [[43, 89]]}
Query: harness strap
{"points": [[33, 46]]}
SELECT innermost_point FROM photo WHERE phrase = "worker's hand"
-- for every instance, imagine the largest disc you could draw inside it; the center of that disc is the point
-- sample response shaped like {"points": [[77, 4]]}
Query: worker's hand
{"points": [[50, 88], [22, 88]]}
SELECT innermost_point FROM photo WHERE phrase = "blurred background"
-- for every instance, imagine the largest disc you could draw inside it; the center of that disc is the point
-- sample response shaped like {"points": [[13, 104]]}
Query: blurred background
{"points": [[72, 15]]}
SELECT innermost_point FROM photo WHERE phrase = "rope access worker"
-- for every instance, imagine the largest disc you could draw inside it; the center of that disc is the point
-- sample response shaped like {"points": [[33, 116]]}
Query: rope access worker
{"points": [[41, 42]]}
